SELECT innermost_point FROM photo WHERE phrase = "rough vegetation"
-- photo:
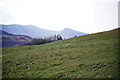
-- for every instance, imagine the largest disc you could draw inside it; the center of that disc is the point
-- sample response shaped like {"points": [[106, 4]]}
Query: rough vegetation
{"points": [[89, 56]]}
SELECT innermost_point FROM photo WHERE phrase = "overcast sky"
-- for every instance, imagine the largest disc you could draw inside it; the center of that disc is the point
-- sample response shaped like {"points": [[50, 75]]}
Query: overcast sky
{"points": [[88, 16]]}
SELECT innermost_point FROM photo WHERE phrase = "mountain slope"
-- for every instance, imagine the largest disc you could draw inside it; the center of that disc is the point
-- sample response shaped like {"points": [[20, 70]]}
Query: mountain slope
{"points": [[34, 31], [30, 30], [69, 33], [13, 40], [89, 56]]}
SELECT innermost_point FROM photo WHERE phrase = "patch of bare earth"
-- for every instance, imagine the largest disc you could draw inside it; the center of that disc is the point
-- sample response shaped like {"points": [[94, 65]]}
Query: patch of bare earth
{"points": [[73, 40]]}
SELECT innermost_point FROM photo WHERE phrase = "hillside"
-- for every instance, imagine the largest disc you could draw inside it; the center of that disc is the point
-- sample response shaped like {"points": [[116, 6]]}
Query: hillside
{"points": [[13, 40], [36, 32], [89, 56]]}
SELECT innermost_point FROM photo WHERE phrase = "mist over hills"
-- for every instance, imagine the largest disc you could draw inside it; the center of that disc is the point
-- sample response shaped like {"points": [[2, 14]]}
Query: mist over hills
{"points": [[30, 30], [36, 32]]}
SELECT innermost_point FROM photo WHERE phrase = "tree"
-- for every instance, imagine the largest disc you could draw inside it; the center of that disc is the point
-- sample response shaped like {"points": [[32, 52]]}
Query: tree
{"points": [[59, 37]]}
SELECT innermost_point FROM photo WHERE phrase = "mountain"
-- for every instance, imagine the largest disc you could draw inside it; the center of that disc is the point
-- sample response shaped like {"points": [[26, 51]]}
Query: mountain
{"points": [[90, 56], [30, 30], [13, 40], [68, 33], [35, 32]]}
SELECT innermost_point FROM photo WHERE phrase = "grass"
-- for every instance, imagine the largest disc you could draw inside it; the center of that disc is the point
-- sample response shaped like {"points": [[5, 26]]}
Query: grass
{"points": [[89, 56]]}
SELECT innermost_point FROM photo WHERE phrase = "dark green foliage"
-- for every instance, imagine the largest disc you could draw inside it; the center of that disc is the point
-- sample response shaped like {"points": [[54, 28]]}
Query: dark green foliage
{"points": [[75, 36], [59, 37], [37, 41]]}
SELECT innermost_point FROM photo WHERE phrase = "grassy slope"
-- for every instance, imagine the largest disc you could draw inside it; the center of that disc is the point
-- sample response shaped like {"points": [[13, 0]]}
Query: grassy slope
{"points": [[93, 55]]}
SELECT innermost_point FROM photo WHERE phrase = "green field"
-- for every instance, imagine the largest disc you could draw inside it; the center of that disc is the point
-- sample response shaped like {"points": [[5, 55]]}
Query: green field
{"points": [[89, 56]]}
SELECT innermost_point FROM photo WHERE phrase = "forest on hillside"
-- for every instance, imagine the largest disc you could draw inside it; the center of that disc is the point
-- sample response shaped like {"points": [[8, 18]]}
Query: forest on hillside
{"points": [[44, 40]]}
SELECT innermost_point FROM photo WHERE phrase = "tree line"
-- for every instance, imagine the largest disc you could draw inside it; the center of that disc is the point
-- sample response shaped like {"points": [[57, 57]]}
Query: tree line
{"points": [[44, 40]]}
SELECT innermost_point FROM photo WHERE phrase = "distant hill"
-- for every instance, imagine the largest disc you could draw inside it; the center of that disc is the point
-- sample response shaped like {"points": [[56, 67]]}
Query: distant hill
{"points": [[30, 30], [35, 32], [68, 33], [13, 40]]}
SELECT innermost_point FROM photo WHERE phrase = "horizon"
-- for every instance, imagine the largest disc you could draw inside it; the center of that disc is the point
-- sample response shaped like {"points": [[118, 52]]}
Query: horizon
{"points": [[73, 14], [59, 30]]}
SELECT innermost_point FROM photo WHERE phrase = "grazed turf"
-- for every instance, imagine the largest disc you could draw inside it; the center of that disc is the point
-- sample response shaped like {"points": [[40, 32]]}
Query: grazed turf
{"points": [[89, 56]]}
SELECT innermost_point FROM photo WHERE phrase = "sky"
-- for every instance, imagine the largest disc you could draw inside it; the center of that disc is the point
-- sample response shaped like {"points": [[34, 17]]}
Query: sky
{"points": [[88, 16]]}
